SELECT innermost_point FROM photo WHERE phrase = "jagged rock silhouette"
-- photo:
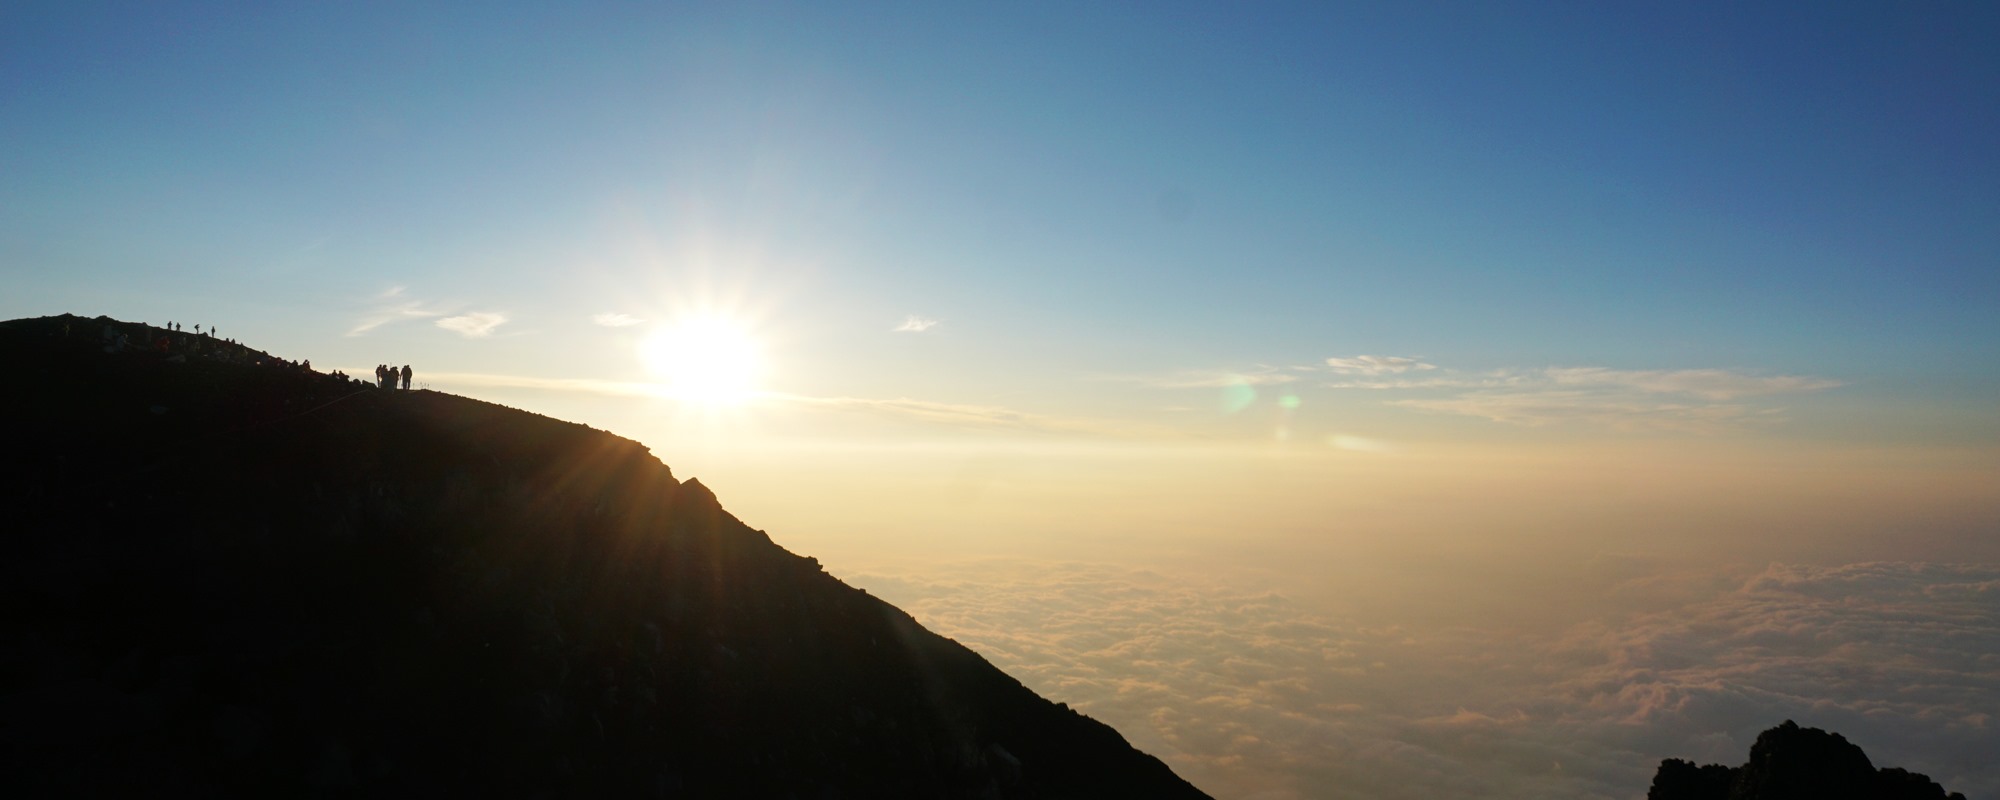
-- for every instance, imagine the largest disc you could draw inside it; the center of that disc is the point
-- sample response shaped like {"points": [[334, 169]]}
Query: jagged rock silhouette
{"points": [[243, 578], [1793, 763]]}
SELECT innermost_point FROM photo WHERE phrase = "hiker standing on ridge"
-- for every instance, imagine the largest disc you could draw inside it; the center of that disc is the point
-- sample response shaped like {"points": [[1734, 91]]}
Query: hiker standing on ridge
{"points": [[406, 377]]}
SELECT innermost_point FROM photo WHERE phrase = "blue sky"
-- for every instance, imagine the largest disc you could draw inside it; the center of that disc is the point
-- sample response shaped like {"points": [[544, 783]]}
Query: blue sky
{"points": [[1083, 189], [1077, 190]]}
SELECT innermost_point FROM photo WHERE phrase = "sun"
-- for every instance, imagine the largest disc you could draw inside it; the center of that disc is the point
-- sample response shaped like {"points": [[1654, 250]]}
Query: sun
{"points": [[705, 359]]}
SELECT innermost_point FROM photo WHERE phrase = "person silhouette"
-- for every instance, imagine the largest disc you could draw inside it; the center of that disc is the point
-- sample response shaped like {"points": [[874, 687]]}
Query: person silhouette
{"points": [[406, 376]]}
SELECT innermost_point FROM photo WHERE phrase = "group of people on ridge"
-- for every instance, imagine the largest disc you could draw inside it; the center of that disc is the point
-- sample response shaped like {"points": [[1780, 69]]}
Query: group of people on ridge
{"points": [[176, 327], [168, 340], [176, 346], [385, 376]]}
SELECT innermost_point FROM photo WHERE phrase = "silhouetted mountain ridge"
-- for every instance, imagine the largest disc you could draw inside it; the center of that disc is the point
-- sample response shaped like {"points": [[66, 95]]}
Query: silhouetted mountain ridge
{"points": [[1793, 763], [230, 575]]}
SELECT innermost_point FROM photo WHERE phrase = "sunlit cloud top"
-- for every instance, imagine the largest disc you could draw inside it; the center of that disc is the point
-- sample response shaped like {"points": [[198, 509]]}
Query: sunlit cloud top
{"points": [[915, 324]]}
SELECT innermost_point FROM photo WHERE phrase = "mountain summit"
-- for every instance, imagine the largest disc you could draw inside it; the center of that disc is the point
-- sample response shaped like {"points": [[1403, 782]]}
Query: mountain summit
{"points": [[227, 574]]}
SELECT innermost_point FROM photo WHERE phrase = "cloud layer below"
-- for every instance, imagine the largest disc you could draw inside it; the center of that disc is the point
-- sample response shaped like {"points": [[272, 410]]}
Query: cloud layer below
{"points": [[1252, 694]]}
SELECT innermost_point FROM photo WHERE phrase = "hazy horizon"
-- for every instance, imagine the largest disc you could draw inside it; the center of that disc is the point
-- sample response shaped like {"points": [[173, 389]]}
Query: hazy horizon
{"points": [[1369, 401]]}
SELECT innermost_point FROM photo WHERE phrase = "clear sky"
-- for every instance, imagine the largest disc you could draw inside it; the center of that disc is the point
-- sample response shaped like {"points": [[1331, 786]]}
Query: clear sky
{"points": [[1372, 306]]}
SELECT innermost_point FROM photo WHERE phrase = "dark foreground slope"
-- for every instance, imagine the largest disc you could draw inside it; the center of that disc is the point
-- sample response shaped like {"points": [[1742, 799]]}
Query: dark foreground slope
{"points": [[1793, 763], [223, 577]]}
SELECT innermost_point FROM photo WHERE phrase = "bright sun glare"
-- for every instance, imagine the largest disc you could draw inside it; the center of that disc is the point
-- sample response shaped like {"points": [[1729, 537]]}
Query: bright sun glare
{"points": [[708, 359]]}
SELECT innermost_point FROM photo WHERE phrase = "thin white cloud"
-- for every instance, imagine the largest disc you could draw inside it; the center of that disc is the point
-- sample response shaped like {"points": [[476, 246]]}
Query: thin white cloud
{"points": [[1704, 401], [954, 414], [975, 417], [1536, 408], [962, 416], [586, 385], [1376, 365], [390, 306], [1709, 384], [1256, 375], [611, 319], [1450, 381], [1196, 379], [475, 325], [1360, 444], [915, 324]]}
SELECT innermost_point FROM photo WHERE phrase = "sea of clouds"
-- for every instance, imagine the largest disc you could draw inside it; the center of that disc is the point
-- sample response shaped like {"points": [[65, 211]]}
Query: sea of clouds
{"points": [[1250, 693]]}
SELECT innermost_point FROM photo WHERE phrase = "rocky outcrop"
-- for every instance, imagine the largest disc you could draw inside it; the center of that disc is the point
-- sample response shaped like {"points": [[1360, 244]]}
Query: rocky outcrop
{"points": [[1793, 763]]}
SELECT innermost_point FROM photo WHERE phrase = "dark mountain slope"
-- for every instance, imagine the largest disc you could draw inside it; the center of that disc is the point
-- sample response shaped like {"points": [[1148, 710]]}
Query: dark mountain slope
{"points": [[231, 577], [1793, 763]]}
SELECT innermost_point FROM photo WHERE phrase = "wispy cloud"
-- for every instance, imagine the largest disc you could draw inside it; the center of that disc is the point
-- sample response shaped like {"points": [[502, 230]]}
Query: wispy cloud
{"points": [[390, 306], [1690, 400], [967, 416], [1376, 365], [1366, 368], [610, 319], [1360, 444], [915, 324], [586, 385], [1709, 384], [475, 325], [953, 414], [1706, 401], [1618, 411], [963, 416], [1195, 379], [1255, 375], [1449, 381]]}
